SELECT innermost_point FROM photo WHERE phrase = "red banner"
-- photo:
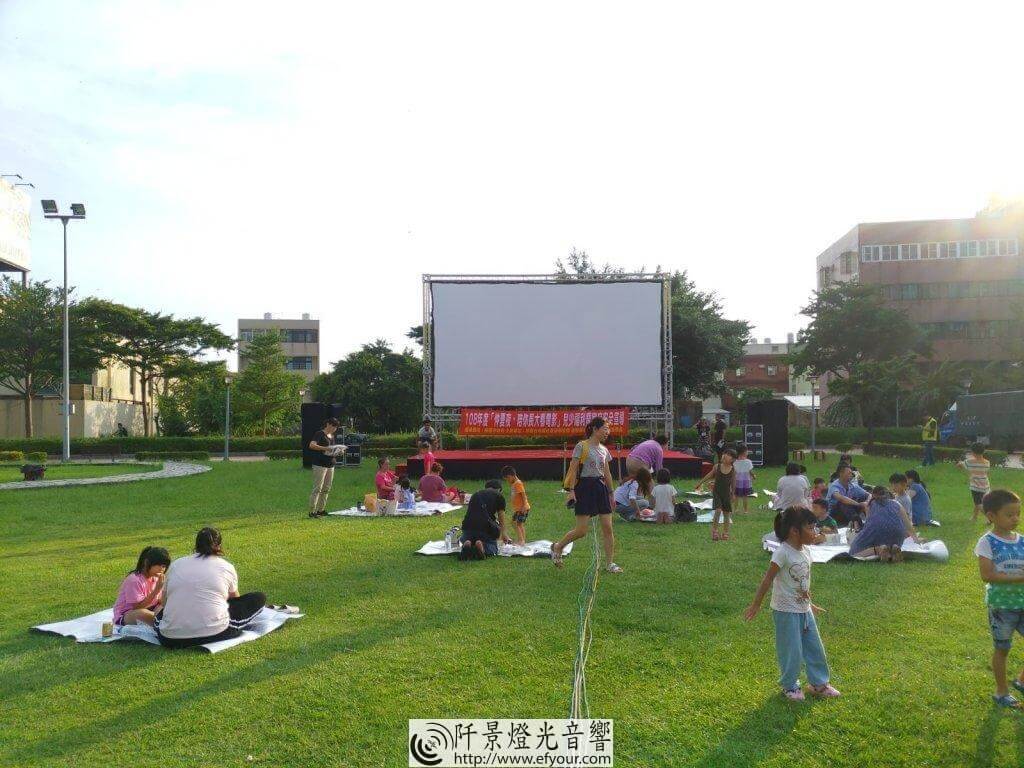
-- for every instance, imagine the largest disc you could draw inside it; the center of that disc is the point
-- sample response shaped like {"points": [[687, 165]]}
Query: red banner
{"points": [[512, 421]]}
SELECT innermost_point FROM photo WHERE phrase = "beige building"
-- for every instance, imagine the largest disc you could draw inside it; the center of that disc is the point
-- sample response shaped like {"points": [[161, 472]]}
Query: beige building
{"points": [[300, 342], [112, 396]]}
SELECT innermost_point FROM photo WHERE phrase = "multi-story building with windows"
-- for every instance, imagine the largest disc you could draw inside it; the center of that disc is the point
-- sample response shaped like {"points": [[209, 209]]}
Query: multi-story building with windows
{"points": [[300, 342], [960, 279]]}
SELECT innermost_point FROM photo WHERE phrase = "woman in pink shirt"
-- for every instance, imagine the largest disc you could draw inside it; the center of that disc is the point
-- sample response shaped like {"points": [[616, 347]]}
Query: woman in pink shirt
{"points": [[385, 480], [140, 593]]}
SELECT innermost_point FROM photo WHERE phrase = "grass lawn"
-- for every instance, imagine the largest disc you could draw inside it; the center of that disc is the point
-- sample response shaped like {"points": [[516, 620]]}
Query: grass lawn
{"points": [[56, 471], [391, 636]]}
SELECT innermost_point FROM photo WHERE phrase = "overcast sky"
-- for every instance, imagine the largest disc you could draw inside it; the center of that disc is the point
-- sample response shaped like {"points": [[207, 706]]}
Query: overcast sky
{"points": [[240, 158]]}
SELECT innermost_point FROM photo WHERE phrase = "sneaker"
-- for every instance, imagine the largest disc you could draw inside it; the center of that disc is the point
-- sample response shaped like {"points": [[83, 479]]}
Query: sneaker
{"points": [[614, 568], [1009, 701], [794, 695], [1018, 685], [825, 691]]}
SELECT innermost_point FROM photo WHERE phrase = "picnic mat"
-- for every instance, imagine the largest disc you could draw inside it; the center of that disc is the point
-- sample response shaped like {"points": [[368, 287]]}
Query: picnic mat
{"points": [[88, 629], [824, 553], [423, 509], [539, 548]]}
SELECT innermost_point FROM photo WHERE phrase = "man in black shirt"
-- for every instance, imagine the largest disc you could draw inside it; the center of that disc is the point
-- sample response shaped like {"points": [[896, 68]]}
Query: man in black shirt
{"points": [[323, 466], [484, 523], [719, 436]]}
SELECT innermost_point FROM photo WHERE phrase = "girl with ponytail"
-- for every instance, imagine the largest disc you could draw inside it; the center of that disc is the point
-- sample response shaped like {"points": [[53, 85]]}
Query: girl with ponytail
{"points": [[797, 642]]}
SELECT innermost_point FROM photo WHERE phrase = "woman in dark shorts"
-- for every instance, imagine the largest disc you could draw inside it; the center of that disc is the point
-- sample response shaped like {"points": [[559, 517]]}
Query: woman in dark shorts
{"points": [[590, 487]]}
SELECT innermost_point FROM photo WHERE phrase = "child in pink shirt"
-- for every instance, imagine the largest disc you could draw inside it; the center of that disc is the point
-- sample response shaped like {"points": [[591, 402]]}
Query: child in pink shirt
{"points": [[140, 592], [428, 457]]}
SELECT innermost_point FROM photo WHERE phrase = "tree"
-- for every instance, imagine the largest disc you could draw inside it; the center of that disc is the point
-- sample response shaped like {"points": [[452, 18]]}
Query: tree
{"points": [[31, 340], [935, 388], [265, 391], [865, 347], [381, 389], [704, 342], [151, 343], [751, 395], [194, 403]]}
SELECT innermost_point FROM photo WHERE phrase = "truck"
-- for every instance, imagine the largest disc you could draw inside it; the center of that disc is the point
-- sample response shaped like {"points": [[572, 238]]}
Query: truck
{"points": [[991, 418]]}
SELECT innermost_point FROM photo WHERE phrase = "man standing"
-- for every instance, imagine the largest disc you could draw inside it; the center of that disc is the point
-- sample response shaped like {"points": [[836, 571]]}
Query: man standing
{"points": [[323, 466], [929, 436], [719, 436]]}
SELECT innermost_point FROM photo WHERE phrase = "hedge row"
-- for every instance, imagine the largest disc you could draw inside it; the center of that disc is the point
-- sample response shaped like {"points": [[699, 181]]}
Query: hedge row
{"points": [[914, 452], [171, 455], [275, 455]]}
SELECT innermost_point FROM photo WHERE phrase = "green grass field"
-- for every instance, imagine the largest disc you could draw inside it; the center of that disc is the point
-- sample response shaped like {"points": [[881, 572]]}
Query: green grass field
{"points": [[55, 471], [390, 636]]}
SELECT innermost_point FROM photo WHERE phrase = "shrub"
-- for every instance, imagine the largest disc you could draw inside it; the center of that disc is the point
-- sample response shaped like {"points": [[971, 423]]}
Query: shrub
{"points": [[12, 456], [796, 446], [914, 452], [171, 455], [276, 455], [37, 456]]}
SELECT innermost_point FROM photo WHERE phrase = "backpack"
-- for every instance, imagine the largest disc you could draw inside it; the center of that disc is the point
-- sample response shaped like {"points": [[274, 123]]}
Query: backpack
{"points": [[685, 513], [584, 453]]}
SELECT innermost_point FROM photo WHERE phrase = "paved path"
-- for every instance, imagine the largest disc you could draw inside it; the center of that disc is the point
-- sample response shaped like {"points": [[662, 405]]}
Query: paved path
{"points": [[171, 469]]}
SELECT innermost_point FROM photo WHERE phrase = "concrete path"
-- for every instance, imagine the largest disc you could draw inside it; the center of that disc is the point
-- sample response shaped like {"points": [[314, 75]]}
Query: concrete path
{"points": [[171, 469]]}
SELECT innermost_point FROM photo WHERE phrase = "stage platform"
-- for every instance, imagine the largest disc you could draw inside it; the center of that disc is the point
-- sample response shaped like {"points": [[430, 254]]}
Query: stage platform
{"points": [[542, 464]]}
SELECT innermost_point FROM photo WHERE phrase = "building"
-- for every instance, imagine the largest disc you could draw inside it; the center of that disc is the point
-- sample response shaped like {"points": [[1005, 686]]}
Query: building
{"points": [[14, 230], [300, 342], [957, 278], [112, 396], [763, 366]]}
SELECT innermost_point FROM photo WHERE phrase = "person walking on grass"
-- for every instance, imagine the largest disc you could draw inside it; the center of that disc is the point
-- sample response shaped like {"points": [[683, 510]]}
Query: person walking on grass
{"points": [[324, 461], [590, 487], [1000, 555], [797, 642], [745, 476], [723, 490], [929, 436], [976, 466]]}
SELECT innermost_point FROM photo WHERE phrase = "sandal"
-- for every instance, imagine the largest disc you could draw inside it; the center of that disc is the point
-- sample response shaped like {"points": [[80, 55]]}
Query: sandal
{"points": [[897, 553], [883, 554], [714, 534], [724, 537], [613, 568], [556, 556], [1007, 700]]}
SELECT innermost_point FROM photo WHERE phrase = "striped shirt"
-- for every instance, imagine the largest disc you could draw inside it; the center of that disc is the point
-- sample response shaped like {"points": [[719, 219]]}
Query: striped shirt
{"points": [[977, 467]]}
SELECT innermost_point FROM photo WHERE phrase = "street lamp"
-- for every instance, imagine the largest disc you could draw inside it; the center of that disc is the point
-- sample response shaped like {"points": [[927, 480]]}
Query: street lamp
{"points": [[227, 417], [77, 212], [815, 391]]}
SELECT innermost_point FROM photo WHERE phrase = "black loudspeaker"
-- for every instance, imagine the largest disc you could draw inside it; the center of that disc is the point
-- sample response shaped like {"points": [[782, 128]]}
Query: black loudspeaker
{"points": [[773, 415], [313, 415]]}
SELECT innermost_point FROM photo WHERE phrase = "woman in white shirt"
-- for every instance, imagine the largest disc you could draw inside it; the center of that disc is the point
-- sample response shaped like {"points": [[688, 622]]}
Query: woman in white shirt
{"points": [[793, 489], [201, 600]]}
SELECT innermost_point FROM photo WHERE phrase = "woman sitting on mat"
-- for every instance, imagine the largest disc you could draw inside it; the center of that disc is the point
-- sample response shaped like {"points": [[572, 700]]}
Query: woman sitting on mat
{"points": [[139, 595], [886, 527], [631, 498], [201, 600], [589, 483], [432, 486]]}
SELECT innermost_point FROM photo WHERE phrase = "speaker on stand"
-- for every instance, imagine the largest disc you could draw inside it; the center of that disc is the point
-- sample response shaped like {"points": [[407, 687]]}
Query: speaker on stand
{"points": [[773, 415]]}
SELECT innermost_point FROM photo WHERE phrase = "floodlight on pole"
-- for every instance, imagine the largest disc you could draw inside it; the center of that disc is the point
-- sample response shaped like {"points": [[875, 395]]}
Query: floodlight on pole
{"points": [[10, 175], [24, 184], [51, 211]]}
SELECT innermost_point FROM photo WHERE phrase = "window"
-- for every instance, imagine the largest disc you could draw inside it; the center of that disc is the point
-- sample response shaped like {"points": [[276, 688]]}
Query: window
{"points": [[1011, 246], [741, 372], [890, 252], [245, 335], [300, 336], [908, 292], [775, 347], [865, 252], [972, 248], [773, 370], [910, 251], [932, 251], [299, 364], [847, 262]]}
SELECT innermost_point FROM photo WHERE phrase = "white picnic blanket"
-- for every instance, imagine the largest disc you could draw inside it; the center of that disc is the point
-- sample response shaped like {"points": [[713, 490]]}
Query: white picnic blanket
{"points": [[423, 509], [89, 629], [539, 548], [823, 553]]}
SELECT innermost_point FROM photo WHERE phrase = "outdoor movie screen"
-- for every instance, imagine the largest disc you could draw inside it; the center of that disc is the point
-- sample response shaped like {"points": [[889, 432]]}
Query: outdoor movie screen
{"points": [[531, 343]]}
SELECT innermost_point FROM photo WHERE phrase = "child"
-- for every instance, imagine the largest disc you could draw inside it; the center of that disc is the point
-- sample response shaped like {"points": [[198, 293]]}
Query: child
{"points": [[976, 466], [745, 476], [722, 491], [898, 486], [140, 592], [664, 496], [920, 501], [406, 496], [1001, 563], [427, 455], [820, 489], [826, 523], [797, 641], [520, 504]]}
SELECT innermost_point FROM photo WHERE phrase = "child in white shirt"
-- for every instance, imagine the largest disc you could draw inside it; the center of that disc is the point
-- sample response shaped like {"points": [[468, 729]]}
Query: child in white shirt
{"points": [[664, 497]]}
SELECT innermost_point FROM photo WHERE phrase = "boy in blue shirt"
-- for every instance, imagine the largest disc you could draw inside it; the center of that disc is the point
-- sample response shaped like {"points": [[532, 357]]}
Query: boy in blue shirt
{"points": [[1001, 563]]}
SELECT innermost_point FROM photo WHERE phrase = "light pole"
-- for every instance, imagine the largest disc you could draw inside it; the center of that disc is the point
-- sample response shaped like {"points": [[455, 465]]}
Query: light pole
{"points": [[227, 417], [77, 212], [814, 415]]}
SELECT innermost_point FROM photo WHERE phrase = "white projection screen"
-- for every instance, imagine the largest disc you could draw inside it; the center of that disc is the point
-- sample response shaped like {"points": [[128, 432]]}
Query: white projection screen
{"points": [[543, 343]]}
